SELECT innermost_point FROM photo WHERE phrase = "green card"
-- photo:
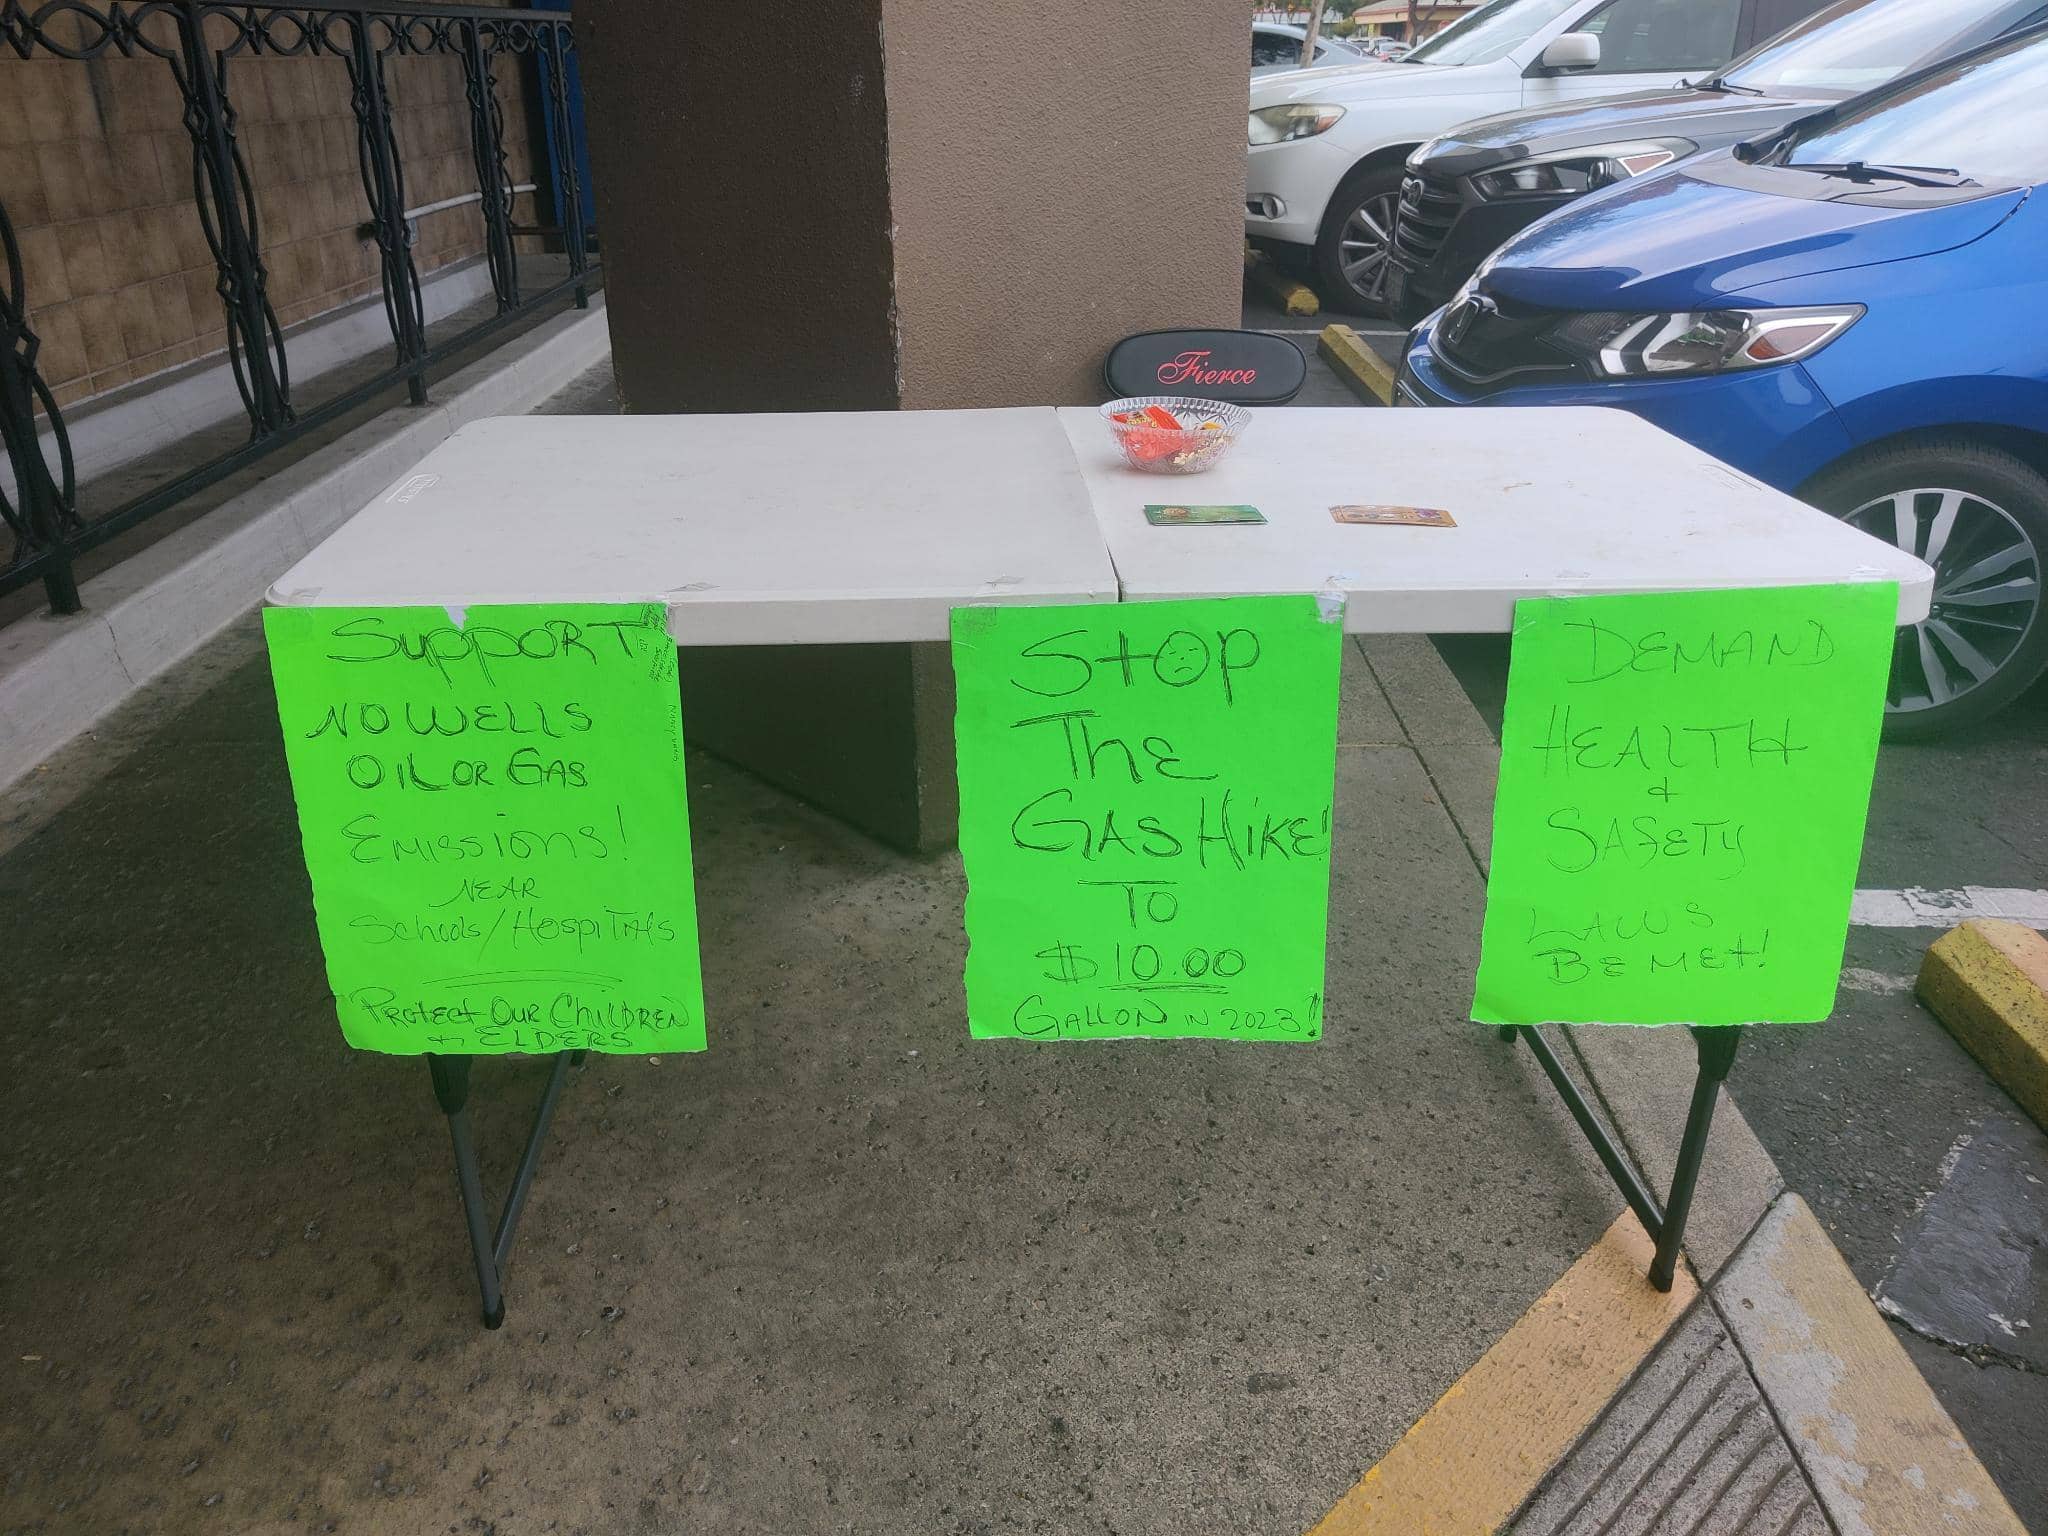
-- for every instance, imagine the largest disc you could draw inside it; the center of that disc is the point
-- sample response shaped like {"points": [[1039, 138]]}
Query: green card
{"points": [[1185, 512], [493, 814], [1145, 816], [1683, 782]]}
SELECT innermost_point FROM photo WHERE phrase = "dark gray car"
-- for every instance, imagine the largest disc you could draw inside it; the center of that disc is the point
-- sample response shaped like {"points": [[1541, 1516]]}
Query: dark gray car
{"points": [[1468, 192]]}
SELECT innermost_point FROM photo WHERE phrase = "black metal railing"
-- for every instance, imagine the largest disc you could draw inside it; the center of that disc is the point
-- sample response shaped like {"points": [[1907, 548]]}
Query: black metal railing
{"points": [[197, 39]]}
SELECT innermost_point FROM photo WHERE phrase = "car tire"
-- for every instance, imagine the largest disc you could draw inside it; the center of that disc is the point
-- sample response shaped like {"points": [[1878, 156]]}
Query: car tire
{"points": [[1979, 516], [1351, 261]]}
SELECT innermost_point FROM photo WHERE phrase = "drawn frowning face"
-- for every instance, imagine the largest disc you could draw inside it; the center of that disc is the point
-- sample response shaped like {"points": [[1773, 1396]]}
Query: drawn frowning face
{"points": [[1182, 658]]}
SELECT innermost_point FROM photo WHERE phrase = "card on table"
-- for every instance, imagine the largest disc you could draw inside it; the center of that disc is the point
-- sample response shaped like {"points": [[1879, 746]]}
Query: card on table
{"points": [[1162, 515], [1415, 517]]}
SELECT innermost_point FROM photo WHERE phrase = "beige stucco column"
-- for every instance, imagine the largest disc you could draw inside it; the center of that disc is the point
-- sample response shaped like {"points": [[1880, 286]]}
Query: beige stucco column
{"points": [[872, 204], [1061, 175]]}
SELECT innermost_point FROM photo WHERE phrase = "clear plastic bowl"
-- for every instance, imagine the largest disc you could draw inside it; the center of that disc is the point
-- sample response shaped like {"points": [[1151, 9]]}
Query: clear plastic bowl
{"points": [[1161, 451]]}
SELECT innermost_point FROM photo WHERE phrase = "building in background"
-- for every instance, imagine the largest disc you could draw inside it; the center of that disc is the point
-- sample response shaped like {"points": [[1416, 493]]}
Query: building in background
{"points": [[97, 179], [190, 192], [1406, 21], [1394, 19]]}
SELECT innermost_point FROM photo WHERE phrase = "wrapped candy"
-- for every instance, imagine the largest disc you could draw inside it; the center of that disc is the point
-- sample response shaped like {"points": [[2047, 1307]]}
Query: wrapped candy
{"points": [[1174, 436], [1150, 416], [1146, 448]]}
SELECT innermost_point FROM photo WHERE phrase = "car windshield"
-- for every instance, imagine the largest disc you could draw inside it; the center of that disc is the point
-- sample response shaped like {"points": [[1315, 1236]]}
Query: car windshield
{"points": [[1981, 118], [1859, 44], [1491, 32]]}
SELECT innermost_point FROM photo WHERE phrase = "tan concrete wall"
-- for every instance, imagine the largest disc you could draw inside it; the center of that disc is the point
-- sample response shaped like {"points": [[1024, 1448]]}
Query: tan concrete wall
{"points": [[1061, 175], [96, 176]]}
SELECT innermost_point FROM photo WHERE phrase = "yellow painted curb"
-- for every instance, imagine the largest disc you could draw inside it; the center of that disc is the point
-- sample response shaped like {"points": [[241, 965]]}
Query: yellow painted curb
{"points": [[1469, 1463], [1289, 296], [1987, 981], [1370, 376], [1882, 1453]]}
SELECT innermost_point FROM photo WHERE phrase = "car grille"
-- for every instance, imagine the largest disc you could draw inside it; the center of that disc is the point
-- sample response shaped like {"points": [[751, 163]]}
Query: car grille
{"points": [[1428, 209], [1486, 343]]}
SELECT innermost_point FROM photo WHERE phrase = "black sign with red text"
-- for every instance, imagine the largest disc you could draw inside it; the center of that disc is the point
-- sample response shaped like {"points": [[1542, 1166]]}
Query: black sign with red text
{"points": [[1245, 367]]}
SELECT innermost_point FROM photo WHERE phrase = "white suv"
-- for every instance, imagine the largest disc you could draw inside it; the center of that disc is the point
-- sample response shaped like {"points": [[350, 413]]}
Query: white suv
{"points": [[1328, 145]]}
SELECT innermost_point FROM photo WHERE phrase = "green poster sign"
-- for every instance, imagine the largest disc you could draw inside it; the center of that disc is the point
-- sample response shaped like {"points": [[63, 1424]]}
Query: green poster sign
{"points": [[1145, 798], [492, 807], [1683, 782]]}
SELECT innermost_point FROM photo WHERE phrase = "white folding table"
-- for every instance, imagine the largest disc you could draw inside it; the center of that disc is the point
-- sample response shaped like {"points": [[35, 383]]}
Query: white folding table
{"points": [[865, 528], [826, 529], [1548, 501], [847, 527], [818, 529]]}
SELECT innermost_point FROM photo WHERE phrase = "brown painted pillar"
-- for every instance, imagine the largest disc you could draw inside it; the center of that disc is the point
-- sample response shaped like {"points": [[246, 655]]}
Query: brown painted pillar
{"points": [[741, 161], [873, 204]]}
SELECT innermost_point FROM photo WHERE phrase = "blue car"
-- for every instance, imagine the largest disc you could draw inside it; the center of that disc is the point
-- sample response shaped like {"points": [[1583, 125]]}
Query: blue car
{"points": [[1854, 309]]}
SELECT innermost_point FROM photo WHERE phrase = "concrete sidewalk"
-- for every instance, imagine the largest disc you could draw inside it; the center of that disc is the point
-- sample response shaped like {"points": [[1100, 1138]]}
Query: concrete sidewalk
{"points": [[848, 1271]]}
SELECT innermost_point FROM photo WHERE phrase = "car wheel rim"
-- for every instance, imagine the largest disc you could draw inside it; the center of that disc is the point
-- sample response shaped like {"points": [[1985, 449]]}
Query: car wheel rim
{"points": [[1987, 591], [1363, 245]]}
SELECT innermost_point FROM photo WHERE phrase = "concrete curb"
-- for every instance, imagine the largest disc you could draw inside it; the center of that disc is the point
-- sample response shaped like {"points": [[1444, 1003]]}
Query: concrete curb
{"points": [[1987, 981], [1370, 376], [1471, 1461], [1881, 1451], [59, 676], [1688, 1446], [1278, 289]]}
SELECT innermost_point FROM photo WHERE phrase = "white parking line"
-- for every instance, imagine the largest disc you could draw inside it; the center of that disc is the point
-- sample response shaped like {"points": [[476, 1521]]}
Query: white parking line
{"points": [[1916, 907]]}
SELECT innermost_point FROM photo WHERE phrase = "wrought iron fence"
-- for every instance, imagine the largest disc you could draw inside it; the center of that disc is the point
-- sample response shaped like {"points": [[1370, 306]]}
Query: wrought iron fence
{"points": [[196, 40]]}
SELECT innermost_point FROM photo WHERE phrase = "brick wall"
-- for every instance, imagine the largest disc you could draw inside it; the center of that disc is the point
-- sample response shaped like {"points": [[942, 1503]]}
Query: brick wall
{"points": [[96, 175]]}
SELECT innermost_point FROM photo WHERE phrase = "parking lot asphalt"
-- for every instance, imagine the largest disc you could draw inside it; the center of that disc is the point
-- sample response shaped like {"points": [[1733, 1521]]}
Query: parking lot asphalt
{"points": [[1324, 386], [1384, 335], [1879, 1118]]}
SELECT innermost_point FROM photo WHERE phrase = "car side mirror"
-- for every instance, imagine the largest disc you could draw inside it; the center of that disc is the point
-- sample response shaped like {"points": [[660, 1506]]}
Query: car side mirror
{"points": [[1570, 53]]}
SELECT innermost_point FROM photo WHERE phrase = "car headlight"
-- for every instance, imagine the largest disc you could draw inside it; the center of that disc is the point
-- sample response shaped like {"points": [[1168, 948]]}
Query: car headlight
{"points": [[1297, 120], [1631, 346], [1571, 172]]}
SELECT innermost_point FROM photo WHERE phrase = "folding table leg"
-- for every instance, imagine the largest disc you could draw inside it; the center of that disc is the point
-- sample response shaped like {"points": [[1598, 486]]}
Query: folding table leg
{"points": [[1716, 1049], [451, 1089], [522, 1181], [491, 1250], [1665, 1222]]}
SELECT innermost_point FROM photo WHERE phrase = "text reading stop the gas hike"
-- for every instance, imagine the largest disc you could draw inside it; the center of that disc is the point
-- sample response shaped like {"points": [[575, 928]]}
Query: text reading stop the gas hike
{"points": [[1145, 816], [493, 810], [1683, 782]]}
